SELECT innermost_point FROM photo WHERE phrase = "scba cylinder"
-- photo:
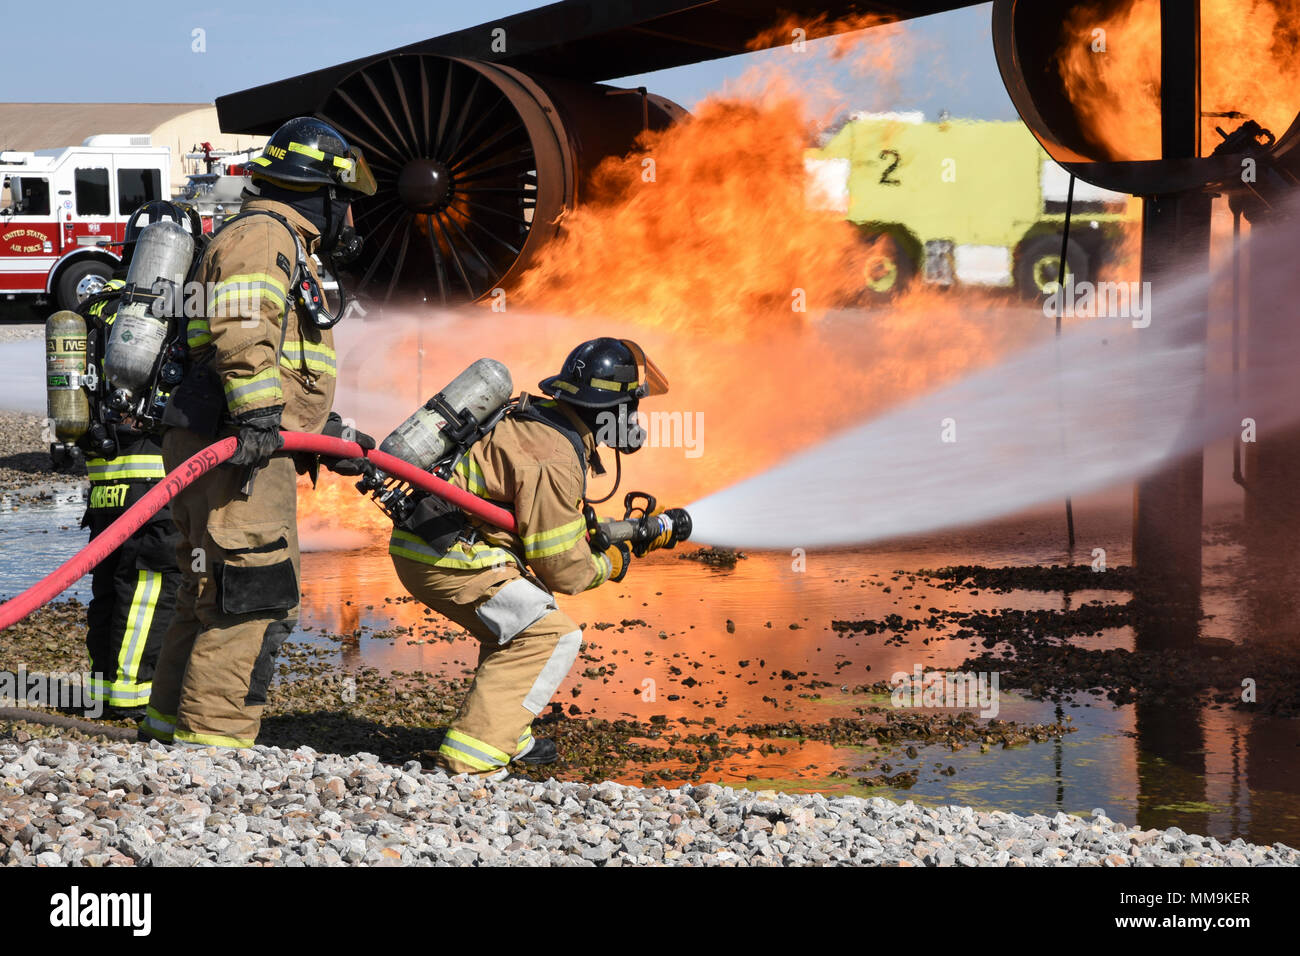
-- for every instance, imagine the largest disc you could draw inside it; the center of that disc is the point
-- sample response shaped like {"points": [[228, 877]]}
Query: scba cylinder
{"points": [[65, 369], [163, 252], [427, 437]]}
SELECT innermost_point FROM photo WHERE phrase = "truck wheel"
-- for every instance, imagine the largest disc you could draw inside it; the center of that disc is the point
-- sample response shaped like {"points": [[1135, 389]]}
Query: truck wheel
{"points": [[888, 269], [65, 288], [1039, 260]]}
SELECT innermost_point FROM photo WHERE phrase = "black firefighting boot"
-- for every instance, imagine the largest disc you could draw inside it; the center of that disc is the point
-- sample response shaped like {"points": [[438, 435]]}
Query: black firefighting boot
{"points": [[542, 752]]}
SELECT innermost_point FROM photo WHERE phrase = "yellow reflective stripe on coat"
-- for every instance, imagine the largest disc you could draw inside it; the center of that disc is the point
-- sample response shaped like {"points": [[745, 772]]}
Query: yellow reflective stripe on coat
{"points": [[465, 749], [468, 469], [463, 555], [321, 359], [556, 541], [247, 290], [125, 467], [604, 568], [197, 333], [253, 280], [245, 390], [210, 740]]}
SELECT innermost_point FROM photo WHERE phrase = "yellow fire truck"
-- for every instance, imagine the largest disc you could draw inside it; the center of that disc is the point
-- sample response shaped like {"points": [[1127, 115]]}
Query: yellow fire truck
{"points": [[969, 203]]}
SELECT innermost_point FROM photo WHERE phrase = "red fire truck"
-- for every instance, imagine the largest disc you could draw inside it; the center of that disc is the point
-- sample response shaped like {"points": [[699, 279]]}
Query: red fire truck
{"points": [[61, 209]]}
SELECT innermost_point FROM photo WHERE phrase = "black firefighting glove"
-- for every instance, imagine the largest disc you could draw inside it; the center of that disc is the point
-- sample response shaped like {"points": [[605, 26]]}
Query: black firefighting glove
{"points": [[259, 437], [349, 467]]}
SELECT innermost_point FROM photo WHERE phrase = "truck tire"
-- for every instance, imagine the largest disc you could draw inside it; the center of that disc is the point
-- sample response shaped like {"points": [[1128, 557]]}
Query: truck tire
{"points": [[1039, 260], [65, 287], [888, 269]]}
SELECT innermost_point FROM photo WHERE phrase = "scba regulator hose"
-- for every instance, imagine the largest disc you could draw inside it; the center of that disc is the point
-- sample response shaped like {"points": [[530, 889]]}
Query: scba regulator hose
{"points": [[194, 468]]}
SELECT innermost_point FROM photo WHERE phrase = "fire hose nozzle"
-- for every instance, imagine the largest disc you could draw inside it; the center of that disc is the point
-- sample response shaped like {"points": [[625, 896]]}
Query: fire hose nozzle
{"points": [[663, 529], [681, 524]]}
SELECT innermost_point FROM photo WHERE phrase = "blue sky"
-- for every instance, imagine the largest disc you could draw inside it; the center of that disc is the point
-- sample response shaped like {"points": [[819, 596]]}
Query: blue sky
{"points": [[97, 52]]}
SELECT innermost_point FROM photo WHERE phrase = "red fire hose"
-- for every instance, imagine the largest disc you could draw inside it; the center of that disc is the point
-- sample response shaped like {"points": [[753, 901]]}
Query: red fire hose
{"points": [[194, 468]]}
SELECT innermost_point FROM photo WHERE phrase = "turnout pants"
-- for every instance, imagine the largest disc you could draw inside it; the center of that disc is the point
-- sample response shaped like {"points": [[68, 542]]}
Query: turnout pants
{"points": [[131, 605], [527, 646], [238, 600], [133, 590], [133, 596]]}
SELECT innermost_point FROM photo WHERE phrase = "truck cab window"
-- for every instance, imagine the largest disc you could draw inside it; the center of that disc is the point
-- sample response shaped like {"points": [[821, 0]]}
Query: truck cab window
{"points": [[91, 191], [135, 187], [31, 195]]}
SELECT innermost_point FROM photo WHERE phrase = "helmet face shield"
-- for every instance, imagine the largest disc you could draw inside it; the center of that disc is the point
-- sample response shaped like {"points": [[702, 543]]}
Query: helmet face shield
{"points": [[653, 381], [355, 174]]}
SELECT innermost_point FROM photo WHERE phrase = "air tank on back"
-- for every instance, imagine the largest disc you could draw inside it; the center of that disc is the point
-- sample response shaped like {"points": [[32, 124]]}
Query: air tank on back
{"points": [[65, 368], [427, 436], [163, 251]]}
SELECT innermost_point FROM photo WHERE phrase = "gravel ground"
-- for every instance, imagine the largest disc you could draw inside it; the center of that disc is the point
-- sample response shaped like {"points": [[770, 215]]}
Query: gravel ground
{"points": [[81, 803], [25, 458]]}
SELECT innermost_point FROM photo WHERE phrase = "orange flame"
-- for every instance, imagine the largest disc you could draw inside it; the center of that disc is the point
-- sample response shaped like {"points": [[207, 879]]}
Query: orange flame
{"points": [[705, 225], [1110, 65], [335, 507], [703, 246]]}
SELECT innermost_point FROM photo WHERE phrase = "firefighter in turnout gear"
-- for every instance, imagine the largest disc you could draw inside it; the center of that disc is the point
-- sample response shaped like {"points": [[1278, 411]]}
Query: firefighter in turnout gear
{"points": [[500, 586], [261, 359], [133, 590]]}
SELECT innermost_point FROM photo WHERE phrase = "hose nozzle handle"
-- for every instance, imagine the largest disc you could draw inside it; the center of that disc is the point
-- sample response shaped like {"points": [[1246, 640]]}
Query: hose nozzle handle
{"points": [[646, 533]]}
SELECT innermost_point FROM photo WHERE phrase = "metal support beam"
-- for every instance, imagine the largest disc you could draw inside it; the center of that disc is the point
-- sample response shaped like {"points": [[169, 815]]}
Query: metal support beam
{"points": [[1175, 231]]}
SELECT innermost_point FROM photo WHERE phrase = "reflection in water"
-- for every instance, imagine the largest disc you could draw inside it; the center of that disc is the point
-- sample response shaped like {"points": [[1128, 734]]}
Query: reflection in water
{"points": [[37, 536], [663, 640], [750, 645], [1171, 767]]}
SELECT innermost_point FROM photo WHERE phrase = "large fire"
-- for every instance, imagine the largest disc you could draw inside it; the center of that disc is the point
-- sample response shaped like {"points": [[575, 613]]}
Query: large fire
{"points": [[705, 226], [1109, 62], [703, 246]]}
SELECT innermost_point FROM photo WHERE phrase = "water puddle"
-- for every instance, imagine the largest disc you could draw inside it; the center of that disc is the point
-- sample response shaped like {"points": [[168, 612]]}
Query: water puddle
{"points": [[759, 644]]}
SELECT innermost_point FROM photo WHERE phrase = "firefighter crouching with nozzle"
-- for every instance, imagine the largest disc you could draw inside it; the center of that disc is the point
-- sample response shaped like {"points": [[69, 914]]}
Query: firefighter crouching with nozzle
{"points": [[261, 357], [532, 457], [133, 590]]}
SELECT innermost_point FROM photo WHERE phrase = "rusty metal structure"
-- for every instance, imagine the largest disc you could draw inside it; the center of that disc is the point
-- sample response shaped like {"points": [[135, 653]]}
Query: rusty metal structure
{"points": [[481, 139], [1177, 188]]}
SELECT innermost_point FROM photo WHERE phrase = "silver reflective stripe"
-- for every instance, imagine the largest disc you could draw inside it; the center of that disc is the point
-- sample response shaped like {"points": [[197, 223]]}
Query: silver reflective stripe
{"points": [[241, 393], [516, 606], [459, 746], [526, 747], [161, 726], [562, 658]]}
